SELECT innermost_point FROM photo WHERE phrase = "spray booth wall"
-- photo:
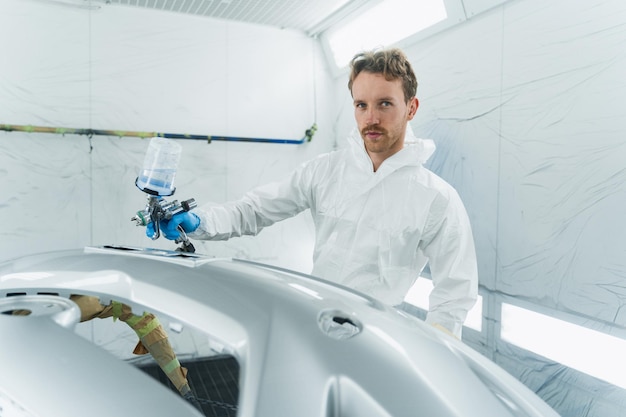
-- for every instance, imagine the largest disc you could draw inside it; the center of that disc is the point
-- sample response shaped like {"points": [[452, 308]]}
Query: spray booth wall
{"points": [[525, 104], [131, 69]]}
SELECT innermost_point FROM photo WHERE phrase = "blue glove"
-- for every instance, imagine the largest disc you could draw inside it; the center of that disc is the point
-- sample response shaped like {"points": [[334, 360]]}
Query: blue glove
{"points": [[187, 220]]}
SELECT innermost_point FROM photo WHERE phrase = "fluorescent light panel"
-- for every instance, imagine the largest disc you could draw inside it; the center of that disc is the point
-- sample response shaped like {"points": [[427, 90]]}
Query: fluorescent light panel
{"points": [[594, 353], [388, 22]]}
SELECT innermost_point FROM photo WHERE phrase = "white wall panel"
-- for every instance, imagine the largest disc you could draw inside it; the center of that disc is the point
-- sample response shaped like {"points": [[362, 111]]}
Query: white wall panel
{"points": [[563, 186], [45, 73], [45, 194]]}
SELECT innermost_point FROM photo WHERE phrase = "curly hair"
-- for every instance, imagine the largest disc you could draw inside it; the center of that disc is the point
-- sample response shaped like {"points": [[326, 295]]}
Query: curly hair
{"points": [[391, 63]]}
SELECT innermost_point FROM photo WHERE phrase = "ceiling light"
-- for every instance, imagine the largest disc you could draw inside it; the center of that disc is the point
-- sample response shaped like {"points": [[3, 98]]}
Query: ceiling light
{"points": [[384, 24]]}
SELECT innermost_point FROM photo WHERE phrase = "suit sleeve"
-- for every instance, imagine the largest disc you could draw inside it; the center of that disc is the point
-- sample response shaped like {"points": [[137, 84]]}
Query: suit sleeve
{"points": [[449, 246], [259, 208]]}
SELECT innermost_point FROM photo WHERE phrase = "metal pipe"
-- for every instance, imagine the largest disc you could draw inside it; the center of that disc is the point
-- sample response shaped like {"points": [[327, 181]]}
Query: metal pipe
{"points": [[308, 135]]}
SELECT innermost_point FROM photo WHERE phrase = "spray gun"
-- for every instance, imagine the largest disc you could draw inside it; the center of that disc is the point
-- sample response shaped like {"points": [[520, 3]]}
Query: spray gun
{"points": [[158, 209], [157, 180]]}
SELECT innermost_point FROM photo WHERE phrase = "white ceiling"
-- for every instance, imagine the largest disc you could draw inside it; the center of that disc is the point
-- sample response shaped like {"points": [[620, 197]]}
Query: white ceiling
{"points": [[310, 16]]}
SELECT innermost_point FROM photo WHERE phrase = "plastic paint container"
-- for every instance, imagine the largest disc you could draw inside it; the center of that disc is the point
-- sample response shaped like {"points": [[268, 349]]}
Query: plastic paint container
{"points": [[159, 167]]}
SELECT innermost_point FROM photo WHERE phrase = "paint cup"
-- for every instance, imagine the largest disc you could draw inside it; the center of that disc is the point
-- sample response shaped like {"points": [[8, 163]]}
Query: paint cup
{"points": [[159, 167]]}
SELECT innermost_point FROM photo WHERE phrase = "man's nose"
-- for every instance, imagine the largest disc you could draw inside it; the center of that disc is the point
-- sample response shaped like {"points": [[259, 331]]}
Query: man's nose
{"points": [[372, 116]]}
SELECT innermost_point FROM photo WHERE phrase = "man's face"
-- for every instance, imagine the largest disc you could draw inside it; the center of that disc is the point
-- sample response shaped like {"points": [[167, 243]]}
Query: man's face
{"points": [[381, 113]]}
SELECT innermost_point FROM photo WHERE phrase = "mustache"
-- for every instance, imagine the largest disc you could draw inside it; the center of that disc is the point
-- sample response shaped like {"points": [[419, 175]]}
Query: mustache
{"points": [[373, 129]]}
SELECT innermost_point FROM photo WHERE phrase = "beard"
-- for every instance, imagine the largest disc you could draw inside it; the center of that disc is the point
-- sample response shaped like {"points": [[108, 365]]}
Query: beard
{"points": [[384, 140]]}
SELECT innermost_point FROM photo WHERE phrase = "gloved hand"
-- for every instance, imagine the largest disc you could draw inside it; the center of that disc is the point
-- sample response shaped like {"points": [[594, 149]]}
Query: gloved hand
{"points": [[187, 220]]}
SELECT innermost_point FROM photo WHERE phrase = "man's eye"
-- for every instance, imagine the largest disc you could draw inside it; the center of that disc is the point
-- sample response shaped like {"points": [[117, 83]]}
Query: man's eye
{"points": [[385, 103], [360, 105]]}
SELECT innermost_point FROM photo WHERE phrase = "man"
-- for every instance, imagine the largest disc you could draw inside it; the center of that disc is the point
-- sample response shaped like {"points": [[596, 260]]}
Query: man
{"points": [[379, 215]]}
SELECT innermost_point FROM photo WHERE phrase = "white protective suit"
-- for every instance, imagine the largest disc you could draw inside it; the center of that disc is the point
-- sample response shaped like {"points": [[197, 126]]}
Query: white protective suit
{"points": [[375, 231]]}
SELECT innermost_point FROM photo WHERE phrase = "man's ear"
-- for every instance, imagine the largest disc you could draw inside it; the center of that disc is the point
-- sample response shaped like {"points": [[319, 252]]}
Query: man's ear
{"points": [[413, 105]]}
